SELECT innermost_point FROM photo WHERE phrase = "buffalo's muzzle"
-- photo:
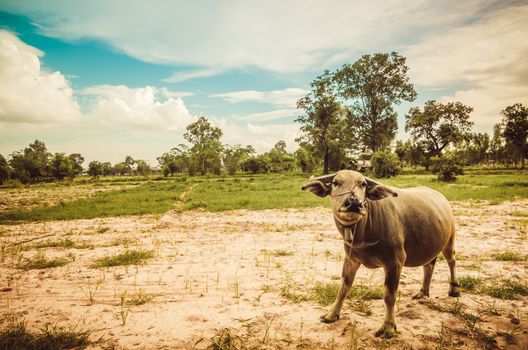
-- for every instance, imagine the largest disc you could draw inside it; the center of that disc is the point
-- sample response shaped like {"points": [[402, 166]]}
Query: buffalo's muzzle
{"points": [[351, 204]]}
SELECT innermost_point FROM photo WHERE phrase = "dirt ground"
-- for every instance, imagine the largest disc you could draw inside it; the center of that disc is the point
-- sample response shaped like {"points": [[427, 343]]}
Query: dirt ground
{"points": [[222, 277]]}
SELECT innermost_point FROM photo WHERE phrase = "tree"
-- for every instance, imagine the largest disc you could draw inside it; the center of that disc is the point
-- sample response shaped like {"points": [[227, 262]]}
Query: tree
{"points": [[122, 168], [257, 164], [108, 169], [438, 126], [370, 87], [76, 160], [447, 166], [322, 119], [385, 164], [95, 169], [280, 160], [61, 166], [234, 156], [142, 167], [207, 147], [31, 164], [5, 172], [305, 160], [497, 144], [515, 120]]}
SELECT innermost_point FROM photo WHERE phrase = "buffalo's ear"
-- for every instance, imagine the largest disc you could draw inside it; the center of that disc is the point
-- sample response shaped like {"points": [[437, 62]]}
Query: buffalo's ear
{"points": [[377, 191], [317, 187]]}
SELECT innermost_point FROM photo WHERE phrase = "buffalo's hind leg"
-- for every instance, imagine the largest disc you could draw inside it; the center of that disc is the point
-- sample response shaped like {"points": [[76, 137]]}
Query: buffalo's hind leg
{"points": [[449, 254], [348, 274], [428, 274]]}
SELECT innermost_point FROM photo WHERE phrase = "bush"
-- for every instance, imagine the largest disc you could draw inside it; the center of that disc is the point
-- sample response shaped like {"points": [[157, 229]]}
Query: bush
{"points": [[385, 164], [447, 167]]}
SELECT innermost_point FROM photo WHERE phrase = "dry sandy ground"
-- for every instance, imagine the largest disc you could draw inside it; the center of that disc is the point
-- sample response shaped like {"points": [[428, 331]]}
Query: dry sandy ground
{"points": [[213, 272]]}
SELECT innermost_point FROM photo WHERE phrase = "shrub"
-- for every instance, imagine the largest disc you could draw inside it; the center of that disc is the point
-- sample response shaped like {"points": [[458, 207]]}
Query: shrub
{"points": [[385, 164], [447, 167]]}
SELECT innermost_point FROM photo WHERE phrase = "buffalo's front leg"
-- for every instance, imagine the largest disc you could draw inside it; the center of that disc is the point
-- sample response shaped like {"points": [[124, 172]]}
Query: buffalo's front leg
{"points": [[350, 268], [392, 279]]}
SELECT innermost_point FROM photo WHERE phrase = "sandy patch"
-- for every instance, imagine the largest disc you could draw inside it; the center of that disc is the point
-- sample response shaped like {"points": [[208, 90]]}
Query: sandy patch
{"points": [[213, 271]]}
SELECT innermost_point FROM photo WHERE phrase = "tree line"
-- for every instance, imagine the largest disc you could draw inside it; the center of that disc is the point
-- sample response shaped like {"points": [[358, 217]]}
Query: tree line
{"points": [[348, 116]]}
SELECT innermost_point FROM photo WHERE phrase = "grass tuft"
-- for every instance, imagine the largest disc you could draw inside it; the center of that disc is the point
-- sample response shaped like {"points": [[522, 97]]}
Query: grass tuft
{"points": [[469, 283], [129, 257], [509, 256], [509, 289], [326, 293], [278, 252], [16, 336], [39, 261]]}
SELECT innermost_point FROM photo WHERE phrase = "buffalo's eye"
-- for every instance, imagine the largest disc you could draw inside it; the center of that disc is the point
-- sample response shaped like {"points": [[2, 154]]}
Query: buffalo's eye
{"points": [[364, 184], [335, 183]]}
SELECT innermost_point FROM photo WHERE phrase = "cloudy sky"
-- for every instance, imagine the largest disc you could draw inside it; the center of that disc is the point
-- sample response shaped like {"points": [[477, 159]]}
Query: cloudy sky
{"points": [[112, 78]]}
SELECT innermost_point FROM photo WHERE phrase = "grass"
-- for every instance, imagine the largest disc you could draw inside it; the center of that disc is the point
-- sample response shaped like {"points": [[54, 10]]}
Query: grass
{"points": [[39, 261], [509, 256], [63, 243], [469, 283], [278, 252], [147, 198], [326, 293], [15, 335], [509, 289], [253, 192], [128, 257]]}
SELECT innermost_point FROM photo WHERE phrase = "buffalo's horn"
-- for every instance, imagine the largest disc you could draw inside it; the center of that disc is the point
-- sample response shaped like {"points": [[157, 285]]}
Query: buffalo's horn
{"points": [[326, 179]]}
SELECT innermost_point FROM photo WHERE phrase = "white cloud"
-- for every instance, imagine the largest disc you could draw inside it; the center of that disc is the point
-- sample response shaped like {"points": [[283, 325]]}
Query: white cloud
{"points": [[282, 36], [488, 58], [285, 97], [180, 76], [271, 115], [261, 137], [28, 94], [139, 107]]}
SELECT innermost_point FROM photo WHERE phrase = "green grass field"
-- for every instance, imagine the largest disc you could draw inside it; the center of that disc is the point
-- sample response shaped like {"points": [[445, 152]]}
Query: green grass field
{"points": [[158, 195]]}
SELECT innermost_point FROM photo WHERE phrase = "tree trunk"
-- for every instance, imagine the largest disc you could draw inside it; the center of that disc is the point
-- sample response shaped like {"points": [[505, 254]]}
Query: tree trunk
{"points": [[325, 162]]}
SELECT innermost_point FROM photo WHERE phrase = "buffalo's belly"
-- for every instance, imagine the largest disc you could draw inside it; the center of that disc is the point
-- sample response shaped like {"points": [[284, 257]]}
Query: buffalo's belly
{"points": [[422, 249]]}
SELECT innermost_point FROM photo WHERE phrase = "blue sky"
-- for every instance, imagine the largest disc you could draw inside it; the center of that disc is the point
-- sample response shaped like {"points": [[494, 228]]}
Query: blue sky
{"points": [[108, 79]]}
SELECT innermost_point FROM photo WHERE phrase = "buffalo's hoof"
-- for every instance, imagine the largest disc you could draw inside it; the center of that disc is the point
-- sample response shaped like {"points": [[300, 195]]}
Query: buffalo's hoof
{"points": [[386, 331], [454, 293], [421, 294], [327, 319]]}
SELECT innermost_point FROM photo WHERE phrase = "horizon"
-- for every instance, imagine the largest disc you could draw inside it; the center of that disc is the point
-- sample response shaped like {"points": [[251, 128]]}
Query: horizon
{"points": [[84, 78]]}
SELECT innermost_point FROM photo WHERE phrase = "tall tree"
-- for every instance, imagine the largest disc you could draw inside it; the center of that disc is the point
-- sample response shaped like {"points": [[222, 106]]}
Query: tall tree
{"points": [[61, 166], [207, 147], [515, 120], [497, 144], [31, 164], [76, 160], [370, 87], [235, 156], [322, 118], [95, 169], [4, 170], [438, 126]]}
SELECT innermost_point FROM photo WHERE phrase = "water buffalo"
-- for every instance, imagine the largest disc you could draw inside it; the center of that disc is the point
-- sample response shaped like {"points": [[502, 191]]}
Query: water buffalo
{"points": [[387, 227]]}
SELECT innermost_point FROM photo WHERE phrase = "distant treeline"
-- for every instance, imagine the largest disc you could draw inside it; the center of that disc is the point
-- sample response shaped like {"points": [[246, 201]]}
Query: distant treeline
{"points": [[347, 121]]}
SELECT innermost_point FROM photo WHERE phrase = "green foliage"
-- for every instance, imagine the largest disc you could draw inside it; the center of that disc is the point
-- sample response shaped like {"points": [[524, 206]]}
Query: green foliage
{"points": [[515, 120], [385, 164], [257, 164], [95, 169], [128, 257], [207, 148], [5, 171], [371, 86], [61, 166], [509, 289], [447, 167], [235, 156], [438, 126], [142, 168], [15, 335], [305, 160]]}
